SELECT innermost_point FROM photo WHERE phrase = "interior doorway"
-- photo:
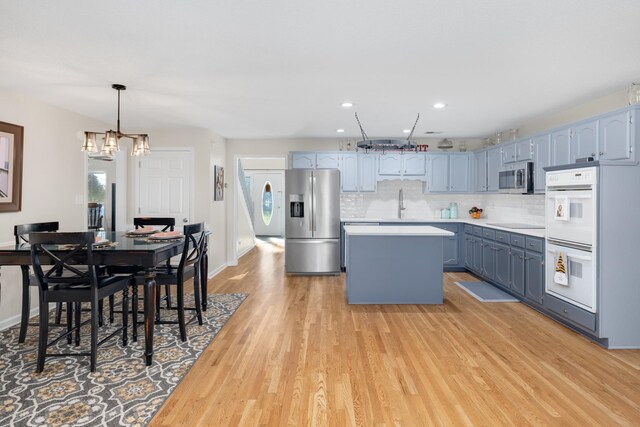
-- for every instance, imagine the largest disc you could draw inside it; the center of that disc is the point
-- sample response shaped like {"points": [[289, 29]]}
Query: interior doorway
{"points": [[106, 192]]}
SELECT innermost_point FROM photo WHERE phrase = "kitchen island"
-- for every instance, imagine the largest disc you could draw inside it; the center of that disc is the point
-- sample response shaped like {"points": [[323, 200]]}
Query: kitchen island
{"points": [[394, 264]]}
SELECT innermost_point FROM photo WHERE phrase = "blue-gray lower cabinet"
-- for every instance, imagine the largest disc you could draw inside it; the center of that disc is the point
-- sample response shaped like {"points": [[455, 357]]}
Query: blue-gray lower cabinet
{"points": [[516, 264], [468, 251], [534, 277], [488, 259], [477, 255], [501, 272]]}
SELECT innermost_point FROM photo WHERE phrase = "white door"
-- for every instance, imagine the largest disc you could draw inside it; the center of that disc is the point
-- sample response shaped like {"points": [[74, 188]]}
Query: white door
{"points": [[165, 185], [267, 202]]}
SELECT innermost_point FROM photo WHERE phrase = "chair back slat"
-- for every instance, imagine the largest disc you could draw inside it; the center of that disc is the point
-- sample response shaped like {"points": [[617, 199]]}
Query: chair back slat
{"points": [[193, 245], [22, 231], [167, 222], [79, 251]]}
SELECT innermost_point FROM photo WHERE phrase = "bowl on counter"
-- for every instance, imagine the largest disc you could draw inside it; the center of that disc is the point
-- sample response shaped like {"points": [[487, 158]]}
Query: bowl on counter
{"points": [[475, 215]]}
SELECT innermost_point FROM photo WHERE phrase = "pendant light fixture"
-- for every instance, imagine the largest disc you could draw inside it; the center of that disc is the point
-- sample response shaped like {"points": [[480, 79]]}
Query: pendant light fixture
{"points": [[110, 144]]}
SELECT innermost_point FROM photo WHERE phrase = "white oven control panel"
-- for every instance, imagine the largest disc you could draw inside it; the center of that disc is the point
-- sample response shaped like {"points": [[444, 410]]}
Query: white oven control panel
{"points": [[572, 177]]}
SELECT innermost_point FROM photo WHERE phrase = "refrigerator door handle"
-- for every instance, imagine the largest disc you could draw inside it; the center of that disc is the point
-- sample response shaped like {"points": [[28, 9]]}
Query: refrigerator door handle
{"points": [[313, 207], [311, 216]]}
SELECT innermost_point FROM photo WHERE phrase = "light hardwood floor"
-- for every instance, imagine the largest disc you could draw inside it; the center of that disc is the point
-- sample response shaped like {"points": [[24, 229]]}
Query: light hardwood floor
{"points": [[295, 353]]}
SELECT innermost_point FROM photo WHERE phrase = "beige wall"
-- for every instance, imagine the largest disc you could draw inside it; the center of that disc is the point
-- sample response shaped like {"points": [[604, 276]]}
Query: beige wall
{"points": [[218, 211], [553, 119], [53, 182]]}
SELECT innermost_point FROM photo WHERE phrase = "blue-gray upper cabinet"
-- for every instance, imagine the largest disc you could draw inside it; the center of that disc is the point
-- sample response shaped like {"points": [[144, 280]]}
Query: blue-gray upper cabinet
{"points": [[493, 168], [617, 136], [560, 147], [390, 164], [447, 172], [438, 171], [328, 160], [458, 173], [584, 141], [414, 164], [405, 164], [509, 153], [480, 167], [348, 171], [541, 159], [367, 172], [523, 150], [303, 160]]}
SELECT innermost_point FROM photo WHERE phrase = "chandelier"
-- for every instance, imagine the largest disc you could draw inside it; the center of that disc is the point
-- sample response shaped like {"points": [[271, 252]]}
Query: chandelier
{"points": [[111, 137]]}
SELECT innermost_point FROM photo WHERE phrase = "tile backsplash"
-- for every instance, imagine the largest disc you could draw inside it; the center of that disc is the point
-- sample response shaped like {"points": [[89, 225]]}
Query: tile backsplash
{"points": [[384, 204]]}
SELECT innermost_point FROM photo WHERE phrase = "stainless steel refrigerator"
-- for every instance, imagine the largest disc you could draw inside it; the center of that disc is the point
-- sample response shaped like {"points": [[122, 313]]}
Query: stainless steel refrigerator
{"points": [[312, 229]]}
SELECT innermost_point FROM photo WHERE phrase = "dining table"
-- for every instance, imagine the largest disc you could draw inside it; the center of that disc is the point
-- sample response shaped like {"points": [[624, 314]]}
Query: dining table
{"points": [[141, 252]]}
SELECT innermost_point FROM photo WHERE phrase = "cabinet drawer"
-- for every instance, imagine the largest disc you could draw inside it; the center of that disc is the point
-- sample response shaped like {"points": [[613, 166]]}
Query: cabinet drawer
{"points": [[468, 229], [570, 312], [534, 244], [488, 233], [502, 237], [477, 231], [517, 240]]}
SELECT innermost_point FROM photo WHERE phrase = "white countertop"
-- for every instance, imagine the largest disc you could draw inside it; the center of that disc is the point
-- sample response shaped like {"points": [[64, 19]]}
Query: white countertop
{"points": [[534, 232], [395, 230]]}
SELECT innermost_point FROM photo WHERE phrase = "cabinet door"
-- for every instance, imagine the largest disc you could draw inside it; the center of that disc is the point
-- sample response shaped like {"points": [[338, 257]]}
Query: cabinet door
{"points": [[501, 271], [390, 164], [438, 172], [481, 170], [348, 172], [367, 172], [477, 255], [468, 251], [488, 259], [560, 146], [450, 250], [615, 137], [584, 141], [414, 164], [523, 150], [509, 153], [303, 161], [327, 161], [493, 168], [541, 159], [534, 277], [517, 271], [458, 173]]}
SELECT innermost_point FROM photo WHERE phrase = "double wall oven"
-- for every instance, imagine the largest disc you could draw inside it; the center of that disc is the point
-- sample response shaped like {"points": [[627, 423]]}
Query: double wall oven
{"points": [[571, 230]]}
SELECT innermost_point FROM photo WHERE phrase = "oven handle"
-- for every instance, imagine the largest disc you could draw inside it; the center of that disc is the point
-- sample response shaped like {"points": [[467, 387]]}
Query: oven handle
{"points": [[552, 194], [574, 256]]}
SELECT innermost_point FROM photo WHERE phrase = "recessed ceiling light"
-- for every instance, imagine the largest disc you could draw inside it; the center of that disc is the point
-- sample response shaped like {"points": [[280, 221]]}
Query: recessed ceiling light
{"points": [[340, 130], [406, 130], [439, 105], [347, 104]]}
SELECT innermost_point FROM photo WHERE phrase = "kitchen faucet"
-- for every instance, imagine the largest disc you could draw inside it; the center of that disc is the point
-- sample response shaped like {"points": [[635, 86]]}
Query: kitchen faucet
{"points": [[400, 204]]}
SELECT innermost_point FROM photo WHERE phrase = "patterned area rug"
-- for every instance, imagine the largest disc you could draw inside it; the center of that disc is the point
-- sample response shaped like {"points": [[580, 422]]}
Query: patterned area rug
{"points": [[122, 392]]}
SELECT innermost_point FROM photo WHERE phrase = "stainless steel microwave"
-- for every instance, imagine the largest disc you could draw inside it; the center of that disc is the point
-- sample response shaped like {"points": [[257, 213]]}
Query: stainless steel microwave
{"points": [[516, 178]]}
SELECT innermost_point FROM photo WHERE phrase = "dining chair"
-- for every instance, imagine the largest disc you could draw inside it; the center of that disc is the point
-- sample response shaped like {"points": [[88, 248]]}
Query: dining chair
{"points": [[187, 268], [73, 279], [167, 224], [95, 216], [21, 232]]}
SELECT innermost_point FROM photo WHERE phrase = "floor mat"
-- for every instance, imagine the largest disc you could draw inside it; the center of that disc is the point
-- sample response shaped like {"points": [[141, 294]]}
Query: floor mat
{"points": [[482, 291]]}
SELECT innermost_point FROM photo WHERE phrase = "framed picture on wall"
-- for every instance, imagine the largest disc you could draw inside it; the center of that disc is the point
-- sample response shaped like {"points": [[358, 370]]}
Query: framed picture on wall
{"points": [[218, 193], [11, 147]]}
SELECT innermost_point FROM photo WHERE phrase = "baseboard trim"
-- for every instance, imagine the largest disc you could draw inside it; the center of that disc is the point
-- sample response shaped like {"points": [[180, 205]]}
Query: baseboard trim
{"points": [[15, 320], [216, 271], [244, 252]]}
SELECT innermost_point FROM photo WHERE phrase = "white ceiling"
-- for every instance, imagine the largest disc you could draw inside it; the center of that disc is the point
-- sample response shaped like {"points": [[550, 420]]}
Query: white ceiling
{"points": [[281, 68]]}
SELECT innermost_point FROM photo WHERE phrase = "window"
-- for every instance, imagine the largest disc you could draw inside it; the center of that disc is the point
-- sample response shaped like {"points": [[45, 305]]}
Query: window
{"points": [[267, 203]]}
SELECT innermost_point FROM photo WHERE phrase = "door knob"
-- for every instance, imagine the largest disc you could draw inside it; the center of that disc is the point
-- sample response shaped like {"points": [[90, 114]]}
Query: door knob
{"points": [[185, 220]]}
